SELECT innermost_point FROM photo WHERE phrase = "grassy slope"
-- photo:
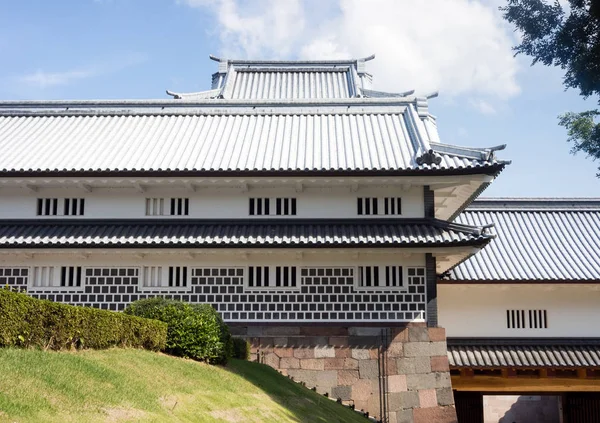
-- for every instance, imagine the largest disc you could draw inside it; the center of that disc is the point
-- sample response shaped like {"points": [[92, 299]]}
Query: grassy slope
{"points": [[132, 385]]}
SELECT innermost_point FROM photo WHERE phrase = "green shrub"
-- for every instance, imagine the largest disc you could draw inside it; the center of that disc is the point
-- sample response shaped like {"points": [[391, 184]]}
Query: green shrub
{"points": [[29, 322], [194, 331], [241, 349]]}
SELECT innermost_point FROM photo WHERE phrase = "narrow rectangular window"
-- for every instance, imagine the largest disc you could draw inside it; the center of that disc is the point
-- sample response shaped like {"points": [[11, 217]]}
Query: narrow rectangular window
{"points": [[172, 206], [293, 207], [67, 207], [259, 206], [187, 207], [81, 206], [251, 208], [74, 207], [286, 206], [40, 203], [375, 212], [267, 206], [278, 208], [359, 205], [55, 206]]}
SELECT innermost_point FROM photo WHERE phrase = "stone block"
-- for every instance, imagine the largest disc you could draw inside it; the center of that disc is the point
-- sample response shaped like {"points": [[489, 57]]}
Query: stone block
{"points": [[280, 341], [399, 335], [403, 400], [366, 342], [442, 380], [435, 414], [338, 341], [284, 352], [395, 350], [238, 331], [424, 349], [363, 389], [445, 396], [397, 383], [413, 365], [322, 352], [350, 363], [440, 364], [272, 360], [427, 398], [309, 377], [289, 363], [374, 354], [368, 369], [323, 331], [334, 363], [421, 381], [255, 331], [364, 331], [360, 354], [347, 377], [343, 352], [361, 405], [391, 368], [418, 334], [304, 352], [437, 334], [403, 416], [326, 380], [281, 330], [342, 392], [312, 364]]}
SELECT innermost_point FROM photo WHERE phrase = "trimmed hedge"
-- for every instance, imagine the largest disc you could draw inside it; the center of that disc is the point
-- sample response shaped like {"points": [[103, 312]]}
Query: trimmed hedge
{"points": [[241, 349], [194, 331], [29, 322]]}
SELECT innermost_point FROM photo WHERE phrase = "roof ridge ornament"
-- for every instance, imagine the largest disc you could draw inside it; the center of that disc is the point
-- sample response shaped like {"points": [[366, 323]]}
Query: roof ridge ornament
{"points": [[429, 158]]}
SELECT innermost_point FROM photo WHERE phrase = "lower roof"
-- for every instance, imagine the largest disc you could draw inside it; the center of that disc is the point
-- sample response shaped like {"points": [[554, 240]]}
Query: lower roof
{"points": [[524, 353], [279, 233], [538, 240]]}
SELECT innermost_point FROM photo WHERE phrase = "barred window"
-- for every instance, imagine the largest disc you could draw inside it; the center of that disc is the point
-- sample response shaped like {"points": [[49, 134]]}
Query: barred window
{"points": [[272, 206], [380, 277], [527, 319], [272, 276], [177, 206], [160, 277], [70, 276], [387, 206]]}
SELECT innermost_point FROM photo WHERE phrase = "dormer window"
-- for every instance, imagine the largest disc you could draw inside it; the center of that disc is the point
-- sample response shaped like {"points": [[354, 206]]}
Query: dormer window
{"points": [[167, 206], [383, 206], [60, 207], [272, 206]]}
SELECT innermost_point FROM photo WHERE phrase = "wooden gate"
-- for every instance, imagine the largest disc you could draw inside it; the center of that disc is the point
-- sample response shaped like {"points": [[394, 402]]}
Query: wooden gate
{"points": [[469, 407], [582, 408]]}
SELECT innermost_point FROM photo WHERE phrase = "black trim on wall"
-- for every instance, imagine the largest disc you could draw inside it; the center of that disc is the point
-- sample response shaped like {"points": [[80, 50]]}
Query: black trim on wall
{"points": [[431, 283], [429, 201]]}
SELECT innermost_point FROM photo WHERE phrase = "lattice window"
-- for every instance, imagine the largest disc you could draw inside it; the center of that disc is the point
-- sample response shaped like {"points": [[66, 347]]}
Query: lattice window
{"points": [[70, 276], [272, 206], [380, 277], [70, 207], [527, 319], [152, 277], [14, 277], [176, 206], [178, 276], [367, 206]]}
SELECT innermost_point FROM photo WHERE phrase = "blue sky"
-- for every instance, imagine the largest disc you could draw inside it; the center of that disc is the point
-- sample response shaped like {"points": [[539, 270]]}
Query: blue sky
{"points": [[84, 49]]}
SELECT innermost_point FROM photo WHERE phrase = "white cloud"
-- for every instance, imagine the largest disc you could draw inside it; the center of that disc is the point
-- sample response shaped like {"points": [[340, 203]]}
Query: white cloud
{"points": [[44, 79], [456, 46], [482, 106]]}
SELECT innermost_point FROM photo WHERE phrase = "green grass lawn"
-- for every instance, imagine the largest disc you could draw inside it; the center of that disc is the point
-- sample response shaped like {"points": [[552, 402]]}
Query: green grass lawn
{"points": [[126, 385]]}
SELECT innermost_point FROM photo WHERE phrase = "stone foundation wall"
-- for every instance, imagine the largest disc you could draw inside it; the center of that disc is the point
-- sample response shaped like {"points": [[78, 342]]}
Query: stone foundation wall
{"points": [[344, 362]]}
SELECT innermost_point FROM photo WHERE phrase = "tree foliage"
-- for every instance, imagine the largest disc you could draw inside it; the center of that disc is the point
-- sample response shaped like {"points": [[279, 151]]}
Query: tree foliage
{"points": [[567, 37]]}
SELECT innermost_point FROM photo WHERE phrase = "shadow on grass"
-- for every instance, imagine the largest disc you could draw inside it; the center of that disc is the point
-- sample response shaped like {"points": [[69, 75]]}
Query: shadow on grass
{"points": [[302, 403]]}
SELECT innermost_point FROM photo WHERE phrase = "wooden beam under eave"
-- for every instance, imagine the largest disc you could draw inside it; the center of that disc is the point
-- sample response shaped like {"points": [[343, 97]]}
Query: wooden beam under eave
{"points": [[517, 385]]}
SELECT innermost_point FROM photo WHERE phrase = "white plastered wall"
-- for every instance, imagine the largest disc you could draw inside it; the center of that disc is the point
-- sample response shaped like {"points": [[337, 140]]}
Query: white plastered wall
{"points": [[573, 310], [223, 203]]}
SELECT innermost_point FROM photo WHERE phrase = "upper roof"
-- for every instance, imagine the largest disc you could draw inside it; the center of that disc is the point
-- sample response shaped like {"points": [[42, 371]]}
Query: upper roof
{"points": [[267, 79], [537, 240], [259, 117]]}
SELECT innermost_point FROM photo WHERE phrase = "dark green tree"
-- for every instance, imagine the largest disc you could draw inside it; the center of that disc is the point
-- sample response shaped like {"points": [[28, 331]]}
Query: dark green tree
{"points": [[568, 37]]}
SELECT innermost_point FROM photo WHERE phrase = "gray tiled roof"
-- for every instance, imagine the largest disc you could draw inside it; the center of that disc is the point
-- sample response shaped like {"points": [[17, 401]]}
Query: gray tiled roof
{"points": [[510, 353], [537, 240], [228, 234], [220, 137]]}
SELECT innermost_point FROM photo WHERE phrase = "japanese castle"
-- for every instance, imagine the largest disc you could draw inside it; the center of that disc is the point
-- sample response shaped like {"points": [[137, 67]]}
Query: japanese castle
{"points": [[329, 225]]}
